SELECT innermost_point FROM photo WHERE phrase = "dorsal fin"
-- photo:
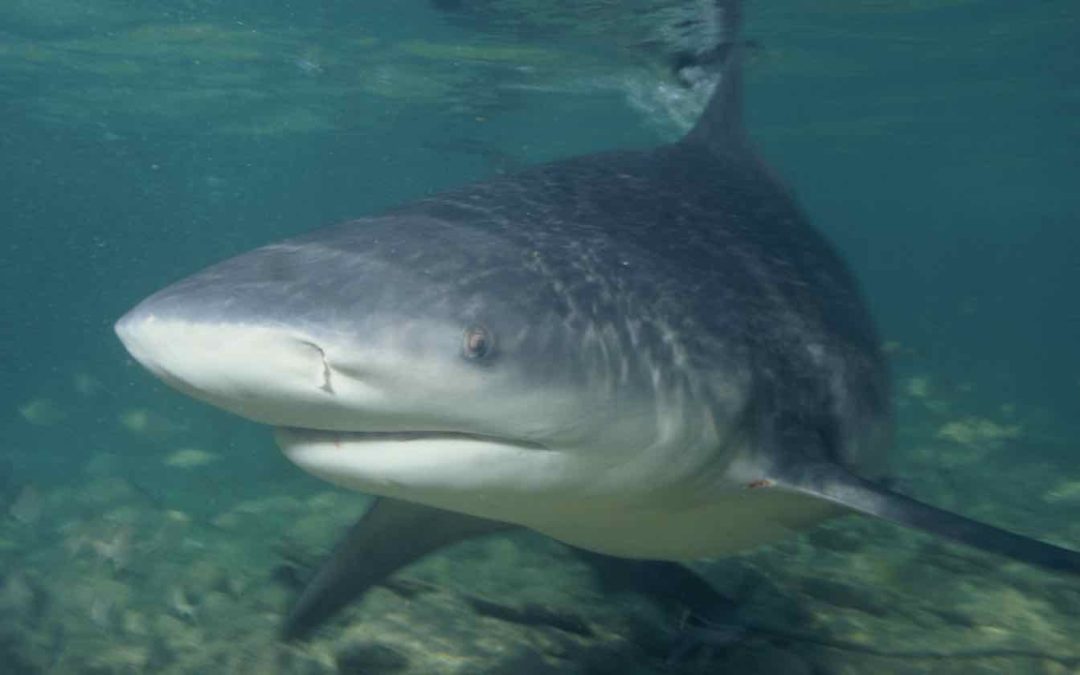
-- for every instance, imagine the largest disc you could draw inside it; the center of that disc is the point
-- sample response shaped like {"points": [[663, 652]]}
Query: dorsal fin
{"points": [[720, 126], [835, 484]]}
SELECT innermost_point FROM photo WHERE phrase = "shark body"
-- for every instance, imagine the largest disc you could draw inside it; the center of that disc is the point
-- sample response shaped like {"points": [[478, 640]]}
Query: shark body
{"points": [[647, 354]]}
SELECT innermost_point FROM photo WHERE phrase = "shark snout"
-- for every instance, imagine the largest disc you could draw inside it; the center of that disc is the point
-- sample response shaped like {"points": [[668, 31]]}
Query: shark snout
{"points": [[264, 372]]}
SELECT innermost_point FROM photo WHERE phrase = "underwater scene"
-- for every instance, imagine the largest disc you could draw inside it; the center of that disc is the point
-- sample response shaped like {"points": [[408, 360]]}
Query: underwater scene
{"points": [[934, 144]]}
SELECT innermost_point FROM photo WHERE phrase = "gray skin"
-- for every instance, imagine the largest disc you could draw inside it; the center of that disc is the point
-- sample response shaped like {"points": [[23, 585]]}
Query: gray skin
{"points": [[647, 354], [675, 299]]}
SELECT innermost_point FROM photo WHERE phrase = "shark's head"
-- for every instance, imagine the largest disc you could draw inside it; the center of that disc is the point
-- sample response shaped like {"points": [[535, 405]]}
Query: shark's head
{"points": [[413, 356]]}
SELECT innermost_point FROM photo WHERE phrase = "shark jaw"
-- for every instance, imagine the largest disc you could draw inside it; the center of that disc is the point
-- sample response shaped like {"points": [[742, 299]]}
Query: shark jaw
{"points": [[416, 463], [526, 483]]}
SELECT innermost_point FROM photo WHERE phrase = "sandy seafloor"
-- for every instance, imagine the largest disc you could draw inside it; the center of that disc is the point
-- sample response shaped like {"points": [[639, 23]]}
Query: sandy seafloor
{"points": [[111, 577]]}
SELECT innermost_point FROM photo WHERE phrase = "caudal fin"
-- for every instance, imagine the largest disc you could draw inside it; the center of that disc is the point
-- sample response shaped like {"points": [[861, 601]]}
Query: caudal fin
{"points": [[835, 484]]}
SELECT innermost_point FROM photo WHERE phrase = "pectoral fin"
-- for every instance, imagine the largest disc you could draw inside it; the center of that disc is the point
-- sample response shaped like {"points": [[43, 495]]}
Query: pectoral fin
{"points": [[389, 536], [835, 484]]}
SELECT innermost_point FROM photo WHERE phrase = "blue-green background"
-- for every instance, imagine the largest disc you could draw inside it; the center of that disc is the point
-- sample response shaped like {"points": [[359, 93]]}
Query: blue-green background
{"points": [[936, 146], [936, 143]]}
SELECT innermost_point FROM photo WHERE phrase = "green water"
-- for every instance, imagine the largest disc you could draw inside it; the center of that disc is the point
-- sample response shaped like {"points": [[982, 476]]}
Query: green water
{"points": [[934, 142]]}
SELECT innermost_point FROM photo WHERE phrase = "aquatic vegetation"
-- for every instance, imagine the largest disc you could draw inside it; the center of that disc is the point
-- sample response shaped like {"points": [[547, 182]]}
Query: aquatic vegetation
{"points": [[122, 658], [42, 412], [190, 458], [115, 549], [979, 431], [18, 595], [181, 605], [204, 598], [917, 387], [107, 544], [102, 609], [28, 506], [87, 385], [149, 424], [1067, 492]]}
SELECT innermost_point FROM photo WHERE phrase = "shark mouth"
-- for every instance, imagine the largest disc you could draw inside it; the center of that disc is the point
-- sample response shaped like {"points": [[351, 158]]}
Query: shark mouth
{"points": [[308, 435], [411, 463]]}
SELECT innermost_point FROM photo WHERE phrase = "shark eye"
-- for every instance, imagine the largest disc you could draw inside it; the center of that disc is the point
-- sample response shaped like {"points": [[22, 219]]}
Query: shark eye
{"points": [[477, 343]]}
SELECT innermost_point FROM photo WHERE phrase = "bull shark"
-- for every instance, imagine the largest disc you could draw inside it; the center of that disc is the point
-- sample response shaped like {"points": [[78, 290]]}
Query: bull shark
{"points": [[646, 354]]}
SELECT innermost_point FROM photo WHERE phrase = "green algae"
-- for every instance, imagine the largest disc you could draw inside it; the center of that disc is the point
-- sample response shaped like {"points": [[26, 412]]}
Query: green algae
{"points": [[42, 412], [190, 458], [979, 431]]}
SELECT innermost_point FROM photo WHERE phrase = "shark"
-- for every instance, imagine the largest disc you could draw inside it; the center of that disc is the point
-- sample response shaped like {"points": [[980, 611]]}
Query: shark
{"points": [[648, 354]]}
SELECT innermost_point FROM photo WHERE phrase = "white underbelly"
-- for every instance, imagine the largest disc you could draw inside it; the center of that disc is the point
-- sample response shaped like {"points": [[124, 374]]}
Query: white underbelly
{"points": [[734, 522]]}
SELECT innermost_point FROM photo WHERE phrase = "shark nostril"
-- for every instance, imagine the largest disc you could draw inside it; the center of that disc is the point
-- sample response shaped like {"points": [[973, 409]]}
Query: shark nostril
{"points": [[326, 384]]}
